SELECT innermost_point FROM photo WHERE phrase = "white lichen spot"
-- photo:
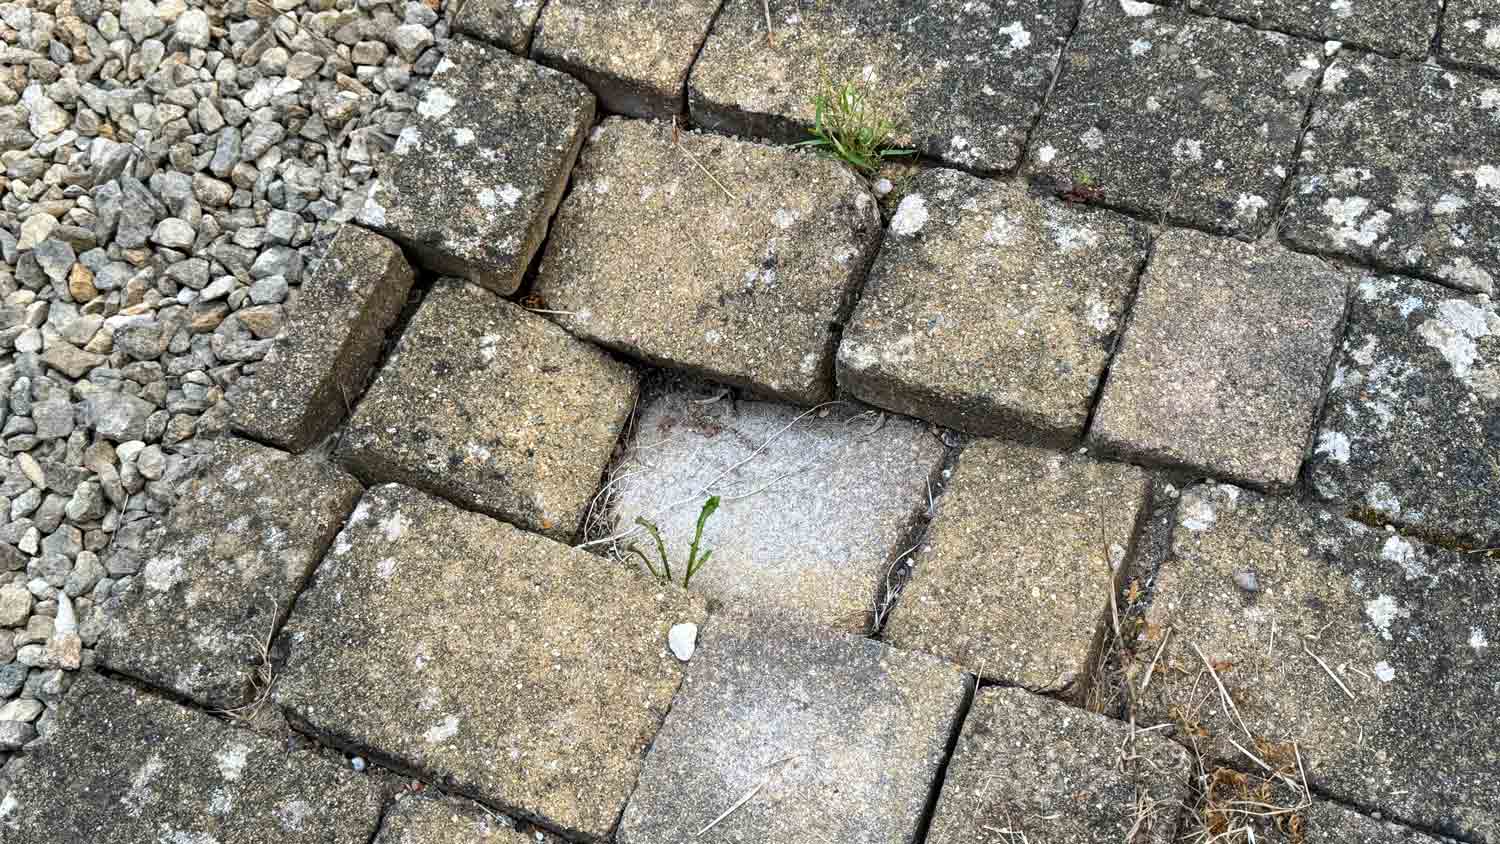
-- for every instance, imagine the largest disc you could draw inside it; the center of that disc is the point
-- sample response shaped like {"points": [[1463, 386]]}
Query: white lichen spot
{"points": [[910, 216], [1135, 9], [1093, 138], [1187, 150], [1487, 182], [162, 573], [386, 568], [409, 137], [1454, 331], [463, 136], [1002, 231], [1097, 313], [442, 732], [510, 195], [1384, 672], [1333, 77], [1478, 640], [1449, 204], [489, 347], [961, 150], [394, 525], [1348, 225], [784, 218], [1248, 206], [1335, 444], [140, 793], [1463, 272], [1382, 611], [1046, 154], [436, 103], [231, 761], [1404, 554], [1341, 8], [1140, 47], [1020, 39], [293, 814], [1198, 514], [1383, 499]]}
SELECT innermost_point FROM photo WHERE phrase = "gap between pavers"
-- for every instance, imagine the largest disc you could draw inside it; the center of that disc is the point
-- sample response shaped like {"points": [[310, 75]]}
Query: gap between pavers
{"points": [[1398, 27], [439, 819]]}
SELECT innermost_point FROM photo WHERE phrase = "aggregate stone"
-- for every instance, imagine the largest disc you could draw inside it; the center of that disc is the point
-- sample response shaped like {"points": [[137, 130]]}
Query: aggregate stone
{"points": [[235, 551], [124, 765], [1398, 27], [510, 667], [1471, 33], [650, 257], [472, 182], [505, 23], [120, 417], [991, 311], [1222, 367], [439, 820], [1175, 115], [1406, 628], [15, 605]]}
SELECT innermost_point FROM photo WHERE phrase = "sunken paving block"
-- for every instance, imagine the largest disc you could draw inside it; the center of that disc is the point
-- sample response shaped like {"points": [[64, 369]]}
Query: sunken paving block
{"points": [[443, 820], [237, 548], [1471, 33], [504, 23], [1369, 650], [961, 82], [1396, 27], [1170, 114], [1222, 367], [1052, 773], [123, 765], [1014, 581], [474, 178], [512, 668], [814, 505], [1409, 434], [651, 257], [321, 362], [990, 311], [840, 737], [1399, 169], [493, 408]]}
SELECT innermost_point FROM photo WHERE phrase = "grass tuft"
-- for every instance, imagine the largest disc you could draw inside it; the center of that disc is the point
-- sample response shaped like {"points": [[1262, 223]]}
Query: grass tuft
{"points": [[848, 127], [695, 561]]}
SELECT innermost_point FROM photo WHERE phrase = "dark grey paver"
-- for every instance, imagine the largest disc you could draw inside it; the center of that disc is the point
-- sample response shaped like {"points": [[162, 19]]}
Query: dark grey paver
{"points": [[443, 820], [1399, 27], [504, 23], [1471, 33]]}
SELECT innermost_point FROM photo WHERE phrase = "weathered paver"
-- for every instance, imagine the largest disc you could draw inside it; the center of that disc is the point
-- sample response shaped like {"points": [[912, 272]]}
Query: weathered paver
{"points": [[1330, 823], [123, 765], [1169, 114], [840, 736], [442, 820], [1471, 33], [1405, 627], [782, 539], [514, 669], [1409, 433], [1399, 169], [237, 549], [1014, 581], [504, 23], [493, 408], [472, 182], [1396, 27], [991, 311], [1223, 364], [1052, 773], [651, 257], [961, 82], [321, 362]]}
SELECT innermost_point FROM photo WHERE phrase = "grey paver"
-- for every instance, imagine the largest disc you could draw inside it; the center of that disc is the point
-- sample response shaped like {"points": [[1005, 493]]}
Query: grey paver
{"points": [[124, 765], [237, 548], [1409, 433], [1406, 628], [1014, 580], [504, 23], [473, 180], [961, 82], [1330, 823], [512, 668], [1400, 27], [840, 736], [782, 540], [1166, 113], [990, 311], [494, 408], [320, 365], [443, 820], [1398, 169], [1223, 364], [1471, 33], [651, 257]]}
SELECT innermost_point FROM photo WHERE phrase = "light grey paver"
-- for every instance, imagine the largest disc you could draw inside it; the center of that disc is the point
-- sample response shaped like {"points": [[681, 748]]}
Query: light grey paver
{"points": [[1471, 33], [504, 23], [1399, 27]]}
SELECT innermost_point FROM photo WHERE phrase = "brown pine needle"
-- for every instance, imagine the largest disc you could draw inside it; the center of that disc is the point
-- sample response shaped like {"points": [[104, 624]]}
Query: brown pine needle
{"points": [[1328, 671]]}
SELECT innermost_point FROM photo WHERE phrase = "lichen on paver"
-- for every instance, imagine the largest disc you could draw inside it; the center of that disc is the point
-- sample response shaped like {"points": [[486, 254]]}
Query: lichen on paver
{"points": [[504, 23], [1400, 27], [1471, 33]]}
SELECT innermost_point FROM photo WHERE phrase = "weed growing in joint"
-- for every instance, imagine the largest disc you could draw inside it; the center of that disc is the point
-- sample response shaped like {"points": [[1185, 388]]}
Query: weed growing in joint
{"points": [[847, 127], [694, 562]]}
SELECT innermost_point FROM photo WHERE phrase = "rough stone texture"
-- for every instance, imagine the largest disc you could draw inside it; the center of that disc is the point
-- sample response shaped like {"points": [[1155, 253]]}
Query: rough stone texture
{"points": [[1330, 823], [633, 56], [322, 361], [1013, 579], [1406, 627], [236, 550], [844, 737], [1399, 170], [1165, 113], [1223, 363], [473, 181], [441, 820], [1022, 758], [962, 82], [990, 311], [493, 408], [122, 765], [651, 258], [510, 667], [1471, 33], [1400, 27], [1409, 434], [504, 23], [783, 541]]}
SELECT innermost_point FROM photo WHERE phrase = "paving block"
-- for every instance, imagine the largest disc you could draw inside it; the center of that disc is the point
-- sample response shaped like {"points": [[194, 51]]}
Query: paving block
{"points": [[1170, 114], [237, 548], [493, 408], [1371, 651], [783, 540], [990, 311], [1393, 27], [1222, 367], [634, 56], [443, 820], [1013, 581], [960, 82], [1409, 435], [1330, 823], [1471, 33], [512, 668], [1052, 773], [123, 765], [473, 180], [652, 258], [1398, 169], [840, 737], [504, 23], [321, 362]]}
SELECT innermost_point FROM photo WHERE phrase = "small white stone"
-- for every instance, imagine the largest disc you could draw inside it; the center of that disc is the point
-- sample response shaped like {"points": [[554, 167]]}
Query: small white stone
{"points": [[683, 640]]}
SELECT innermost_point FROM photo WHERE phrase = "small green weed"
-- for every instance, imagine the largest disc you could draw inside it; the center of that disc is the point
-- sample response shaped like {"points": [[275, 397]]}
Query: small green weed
{"points": [[847, 127], [694, 562]]}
